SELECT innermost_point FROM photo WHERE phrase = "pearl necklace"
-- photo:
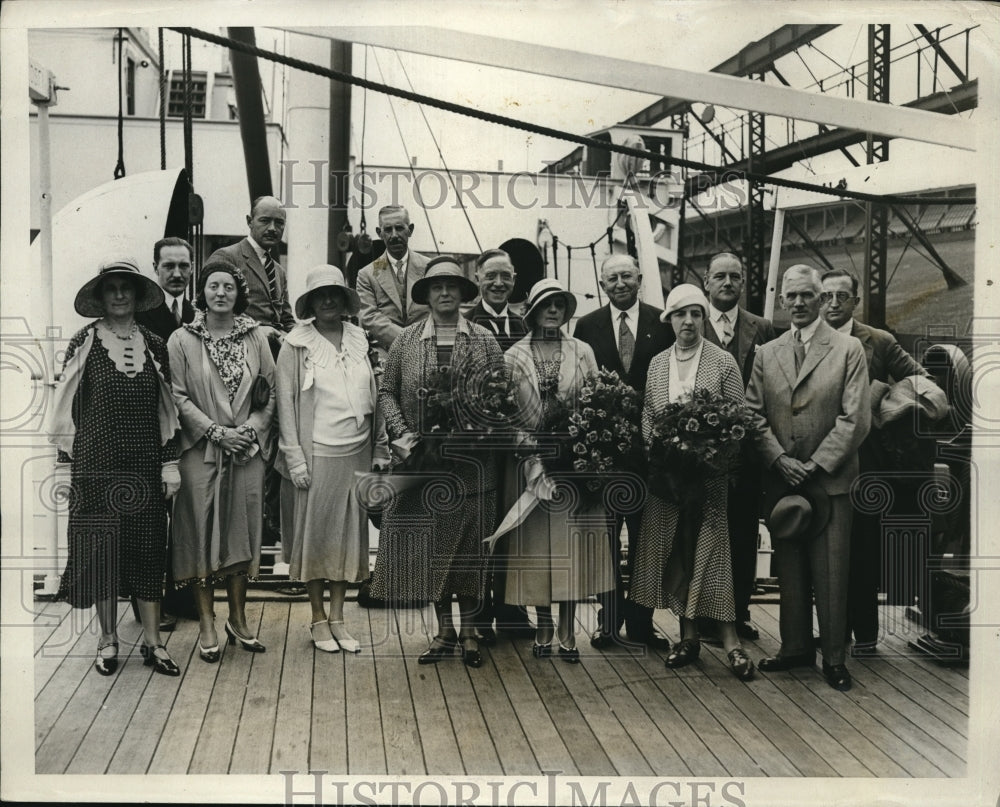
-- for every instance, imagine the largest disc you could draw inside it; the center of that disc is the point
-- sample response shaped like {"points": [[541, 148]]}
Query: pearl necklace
{"points": [[128, 337], [678, 357]]}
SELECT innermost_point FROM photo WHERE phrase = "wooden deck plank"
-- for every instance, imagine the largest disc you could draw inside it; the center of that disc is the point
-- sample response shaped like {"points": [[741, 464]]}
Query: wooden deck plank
{"points": [[74, 636], [293, 715], [471, 733], [366, 751], [329, 733], [554, 690], [253, 743], [48, 618], [923, 681], [894, 641], [508, 737], [547, 745], [433, 723], [213, 752], [930, 759], [148, 724], [403, 753]]}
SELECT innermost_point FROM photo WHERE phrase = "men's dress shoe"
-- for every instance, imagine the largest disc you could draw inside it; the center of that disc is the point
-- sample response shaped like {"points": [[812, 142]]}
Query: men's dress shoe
{"points": [[863, 650], [746, 630], [684, 652], [168, 622], [781, 663], [601, 640], [837, 676]]}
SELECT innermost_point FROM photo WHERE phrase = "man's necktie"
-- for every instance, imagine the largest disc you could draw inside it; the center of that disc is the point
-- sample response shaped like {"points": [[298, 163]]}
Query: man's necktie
{"points": [[626, 342], [177, 310], [401, 274], [799, 349], [272, 281], [727, 329], [499, 325]]}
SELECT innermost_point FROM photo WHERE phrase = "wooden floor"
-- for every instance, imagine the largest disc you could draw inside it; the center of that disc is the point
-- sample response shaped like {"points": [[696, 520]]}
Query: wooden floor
{"points": [[617, 713]]}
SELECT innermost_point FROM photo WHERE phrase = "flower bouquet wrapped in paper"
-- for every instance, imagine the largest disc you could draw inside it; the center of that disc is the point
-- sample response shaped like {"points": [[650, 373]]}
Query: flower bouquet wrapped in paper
{"points": [[694, 440]]}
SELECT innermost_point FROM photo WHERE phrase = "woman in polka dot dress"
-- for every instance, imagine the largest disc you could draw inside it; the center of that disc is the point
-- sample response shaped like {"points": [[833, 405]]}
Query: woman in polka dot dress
{"points": [[113, 418]]}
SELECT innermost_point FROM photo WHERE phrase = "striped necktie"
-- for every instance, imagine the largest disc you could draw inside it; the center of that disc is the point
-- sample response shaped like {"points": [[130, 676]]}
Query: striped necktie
{"points": [[799, 349], [272, 280], [727, 329]]}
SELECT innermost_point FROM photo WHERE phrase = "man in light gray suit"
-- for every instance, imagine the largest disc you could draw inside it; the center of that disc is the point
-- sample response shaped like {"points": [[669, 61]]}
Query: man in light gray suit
{"points": [[809, 392], [384, 284]]}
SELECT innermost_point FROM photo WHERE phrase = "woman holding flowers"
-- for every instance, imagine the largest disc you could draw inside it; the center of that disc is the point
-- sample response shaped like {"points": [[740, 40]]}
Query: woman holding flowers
{"points": [[559, 553], [430, 546], [694, 389]]}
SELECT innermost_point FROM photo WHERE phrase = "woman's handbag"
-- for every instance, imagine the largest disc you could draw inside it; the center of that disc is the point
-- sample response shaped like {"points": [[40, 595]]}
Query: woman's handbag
{"points": [[260, 393]]}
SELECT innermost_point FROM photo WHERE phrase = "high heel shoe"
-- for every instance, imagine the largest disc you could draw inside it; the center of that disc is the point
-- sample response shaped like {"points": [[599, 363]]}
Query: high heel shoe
{"points": [[330, 645], [210, 655], [161, 664], [251, 645], [441, 646], [541, 650], [103, 664], [471, 655], [347, 642], [571, 655]]}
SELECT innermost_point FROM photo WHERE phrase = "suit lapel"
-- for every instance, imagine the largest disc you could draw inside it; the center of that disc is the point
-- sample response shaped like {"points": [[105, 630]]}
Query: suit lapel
{"points": [[606, 342], [387, 280], [786, 357], [864, 336], [644, 333], [819, 346], [250, 256], [747, 337]]}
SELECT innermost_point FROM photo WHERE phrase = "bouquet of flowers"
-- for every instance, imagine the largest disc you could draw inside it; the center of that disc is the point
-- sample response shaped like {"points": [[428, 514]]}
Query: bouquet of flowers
{"points": [[596, 438], [694, 440]]}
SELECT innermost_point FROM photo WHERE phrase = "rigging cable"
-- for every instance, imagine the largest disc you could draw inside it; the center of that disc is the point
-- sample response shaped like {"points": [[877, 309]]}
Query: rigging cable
{"points": [[558, 134], [120, 167], [409, 162], [163, 103]]}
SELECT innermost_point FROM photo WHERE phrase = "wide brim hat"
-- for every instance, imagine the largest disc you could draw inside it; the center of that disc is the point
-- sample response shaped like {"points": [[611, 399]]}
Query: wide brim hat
{"points": [[148, 294], [320, 277], [681, 297], [543, 291], [797, 513], [443, 266]]}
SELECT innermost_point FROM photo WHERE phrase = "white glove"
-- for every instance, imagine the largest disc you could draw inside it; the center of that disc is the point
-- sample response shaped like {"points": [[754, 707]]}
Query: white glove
{"points": [[171, 477]]}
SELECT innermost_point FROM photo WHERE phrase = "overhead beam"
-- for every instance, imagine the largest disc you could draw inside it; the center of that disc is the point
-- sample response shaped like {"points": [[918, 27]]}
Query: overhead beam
{"points": [[941, 52], [958, 99], [879, 119]]}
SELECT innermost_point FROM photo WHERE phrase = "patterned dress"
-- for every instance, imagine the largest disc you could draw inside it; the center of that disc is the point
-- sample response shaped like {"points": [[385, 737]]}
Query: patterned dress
{"points": [[117, 518], [658, 581], [430, 545]]}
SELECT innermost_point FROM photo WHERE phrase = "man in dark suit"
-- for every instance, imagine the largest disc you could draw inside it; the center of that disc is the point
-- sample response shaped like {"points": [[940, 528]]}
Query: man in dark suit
{"points": [[809, 394], [267, 295], [495, 275], [887, 362], [172, 264], [733, 328], [384, 285], [625, 334], [267, 286]]}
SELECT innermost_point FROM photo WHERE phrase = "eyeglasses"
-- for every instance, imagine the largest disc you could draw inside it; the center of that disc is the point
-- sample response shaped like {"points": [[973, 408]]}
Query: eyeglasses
{"points": [[842, 296]]}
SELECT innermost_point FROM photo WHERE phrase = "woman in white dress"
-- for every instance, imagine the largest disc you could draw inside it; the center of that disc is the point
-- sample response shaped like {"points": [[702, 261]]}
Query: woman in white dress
{"points": [[329, 430]]}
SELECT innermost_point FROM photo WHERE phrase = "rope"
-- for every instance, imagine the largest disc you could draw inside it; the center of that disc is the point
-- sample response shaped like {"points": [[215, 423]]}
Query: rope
{"points": [[120, 167], [555, 255], [597, 278], [569, 263], [188, 144], [557, 134], [163, 103], [447, 170], [409, 162], [364, 125]]}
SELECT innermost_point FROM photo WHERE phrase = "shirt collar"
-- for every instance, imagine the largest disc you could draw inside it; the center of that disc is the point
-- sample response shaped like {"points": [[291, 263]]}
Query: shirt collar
{"points": [[808, 332], [492, 312], [714, 313], [257, 248], [169, 298], [847, 327], [429, 330], [633, 312], [394, 262]]}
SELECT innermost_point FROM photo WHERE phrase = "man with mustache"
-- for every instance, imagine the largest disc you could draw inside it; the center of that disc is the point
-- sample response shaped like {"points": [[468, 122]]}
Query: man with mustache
{"points": [[809, 394], [384, 284]]}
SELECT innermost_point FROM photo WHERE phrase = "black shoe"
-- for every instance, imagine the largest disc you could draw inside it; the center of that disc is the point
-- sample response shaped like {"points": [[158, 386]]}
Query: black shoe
{"points": [[541, 650], [161, 664], [781, 663], [487, 636], [740, 664], [601, 640], [440, 647], [837, 676], [684, 652], [864, 650], [655, 640], [569, 654], [471, 656], [292, 589], [746, 630], [106, 665], [210, 655], [251, 645], [168, 622]]}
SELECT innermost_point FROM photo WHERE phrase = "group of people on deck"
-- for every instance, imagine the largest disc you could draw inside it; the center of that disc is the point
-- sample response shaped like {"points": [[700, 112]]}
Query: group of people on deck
{"points": [[174, 418]]}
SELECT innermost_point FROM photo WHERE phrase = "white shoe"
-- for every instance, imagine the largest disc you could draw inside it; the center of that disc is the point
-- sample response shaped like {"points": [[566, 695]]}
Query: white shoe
{"points": [[345, 640], [326, 645]]}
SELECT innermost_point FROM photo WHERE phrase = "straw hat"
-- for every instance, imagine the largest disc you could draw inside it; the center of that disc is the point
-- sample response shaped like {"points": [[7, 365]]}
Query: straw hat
{"points": [[681, 297], [543, 291], [796, 513], [147, 297], [321, 277], [443, 266]]}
